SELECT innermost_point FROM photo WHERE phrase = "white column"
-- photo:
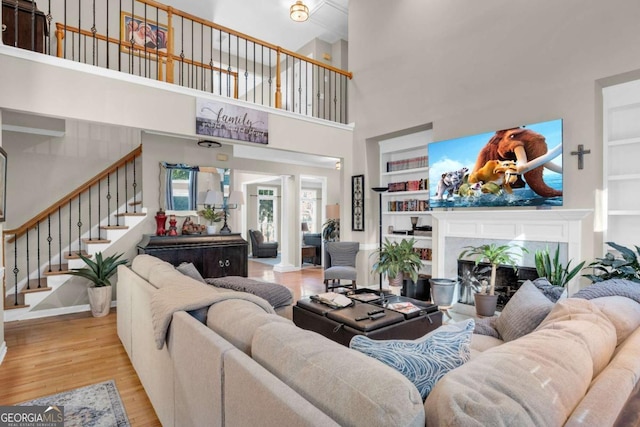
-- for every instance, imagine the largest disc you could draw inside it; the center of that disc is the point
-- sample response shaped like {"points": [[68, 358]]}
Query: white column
{"points": [[289, 231], [3, 344]]}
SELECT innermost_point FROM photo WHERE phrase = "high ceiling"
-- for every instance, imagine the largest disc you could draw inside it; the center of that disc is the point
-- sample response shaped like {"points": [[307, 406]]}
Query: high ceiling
{"points": [[269, 20]]}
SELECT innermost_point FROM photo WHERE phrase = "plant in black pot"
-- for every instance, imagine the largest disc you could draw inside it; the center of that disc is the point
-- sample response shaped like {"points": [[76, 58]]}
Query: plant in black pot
{"points": [[397, 260], [486, 299], [98, 273], [625, 266]]}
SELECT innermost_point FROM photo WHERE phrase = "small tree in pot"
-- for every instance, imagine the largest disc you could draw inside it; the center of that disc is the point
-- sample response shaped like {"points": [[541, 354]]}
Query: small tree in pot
{"points": [[98, 272], [210, 214], [396, 260], [495, 255]]}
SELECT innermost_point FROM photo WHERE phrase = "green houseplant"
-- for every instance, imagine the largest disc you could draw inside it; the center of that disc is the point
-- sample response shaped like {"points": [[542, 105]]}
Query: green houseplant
{"points": [[396, 260], [210, 214], [98, 273], [556, 273], [486, 300], [613, 267]]}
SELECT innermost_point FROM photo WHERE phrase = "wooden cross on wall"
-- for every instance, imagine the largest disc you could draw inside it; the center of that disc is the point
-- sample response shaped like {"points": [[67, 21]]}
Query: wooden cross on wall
{"points": [[580, 153]]}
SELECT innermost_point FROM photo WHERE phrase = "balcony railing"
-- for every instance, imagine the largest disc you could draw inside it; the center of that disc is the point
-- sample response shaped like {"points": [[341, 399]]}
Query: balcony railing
{"points": [[149, 39]]}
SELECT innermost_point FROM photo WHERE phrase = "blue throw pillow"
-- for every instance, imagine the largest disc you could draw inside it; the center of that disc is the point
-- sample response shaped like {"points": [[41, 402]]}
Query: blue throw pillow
{"points": [[425, 360]]}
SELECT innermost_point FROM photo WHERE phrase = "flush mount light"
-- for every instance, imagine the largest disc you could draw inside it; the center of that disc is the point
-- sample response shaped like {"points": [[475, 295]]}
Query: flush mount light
{"points": [[207, 143], [299, 12]]}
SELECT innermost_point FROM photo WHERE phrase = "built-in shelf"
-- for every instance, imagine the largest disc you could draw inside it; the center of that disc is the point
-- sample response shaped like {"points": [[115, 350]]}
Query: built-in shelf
{"points": [[624, 212], [405, 193], [404, 236], [411, 213], [625, 177], [405, 171], [625, 141], [427, 262]]}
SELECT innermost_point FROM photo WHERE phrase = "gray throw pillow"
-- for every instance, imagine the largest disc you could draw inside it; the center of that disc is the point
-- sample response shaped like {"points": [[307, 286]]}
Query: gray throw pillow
{"points": [[550, 291], [188, 269], [523, 313]]}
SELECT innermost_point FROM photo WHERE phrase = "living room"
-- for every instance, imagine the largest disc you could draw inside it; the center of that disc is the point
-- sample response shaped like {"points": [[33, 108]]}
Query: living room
{"points": [[460, 72]]}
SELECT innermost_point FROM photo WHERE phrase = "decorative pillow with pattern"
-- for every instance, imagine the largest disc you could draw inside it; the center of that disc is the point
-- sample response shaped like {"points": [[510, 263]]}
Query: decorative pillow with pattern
{"points": [[425, 360]]}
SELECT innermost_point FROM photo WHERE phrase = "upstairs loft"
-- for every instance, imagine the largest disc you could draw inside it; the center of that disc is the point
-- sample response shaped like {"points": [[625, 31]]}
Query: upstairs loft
{"points": [[155, 41]]}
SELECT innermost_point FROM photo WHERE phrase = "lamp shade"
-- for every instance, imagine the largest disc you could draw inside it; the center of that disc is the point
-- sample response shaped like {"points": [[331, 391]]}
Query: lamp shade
{"points": [[305, 226], [333, 211], [236, 198], [213, 198], [299, 12]]}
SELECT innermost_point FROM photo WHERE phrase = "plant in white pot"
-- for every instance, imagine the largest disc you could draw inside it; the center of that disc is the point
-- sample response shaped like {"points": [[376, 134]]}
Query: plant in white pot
{"points": [[98, 272], [486, 299], [210, 214], [397, 260]]}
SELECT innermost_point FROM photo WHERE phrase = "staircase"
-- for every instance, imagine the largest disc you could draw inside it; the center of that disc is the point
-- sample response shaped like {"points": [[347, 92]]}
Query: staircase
{"points": [[40, 253]]}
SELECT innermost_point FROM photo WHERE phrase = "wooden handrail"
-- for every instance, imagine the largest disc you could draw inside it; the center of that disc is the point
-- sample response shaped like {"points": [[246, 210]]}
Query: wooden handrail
{"points": [[17, 232]]}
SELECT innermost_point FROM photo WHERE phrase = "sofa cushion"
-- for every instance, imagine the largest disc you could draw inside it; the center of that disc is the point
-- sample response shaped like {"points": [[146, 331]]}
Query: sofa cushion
{"points": [[535, 380], [486, 326], [188, 269], [166, 275], [554, 293], [484, 342], [424, 360], [624, 314], [277, 295], [523, 313], [337, 379], [237, 321], [143, 264]]}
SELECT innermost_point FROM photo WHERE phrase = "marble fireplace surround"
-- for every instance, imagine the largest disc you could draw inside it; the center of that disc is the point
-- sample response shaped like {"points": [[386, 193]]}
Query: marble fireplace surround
{"points": [[572, 228]]}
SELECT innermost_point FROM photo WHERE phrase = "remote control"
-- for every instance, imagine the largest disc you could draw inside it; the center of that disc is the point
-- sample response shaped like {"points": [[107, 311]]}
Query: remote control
{"points": [[376, 316], [372, 312]]}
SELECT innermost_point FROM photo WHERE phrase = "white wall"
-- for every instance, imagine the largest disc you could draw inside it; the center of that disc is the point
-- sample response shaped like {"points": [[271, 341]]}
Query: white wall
{"points": [[470, 67]]}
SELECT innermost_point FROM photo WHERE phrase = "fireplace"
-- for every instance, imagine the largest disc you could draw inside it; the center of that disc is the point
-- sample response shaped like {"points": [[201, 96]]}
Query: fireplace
{"points": [[532, 229]]}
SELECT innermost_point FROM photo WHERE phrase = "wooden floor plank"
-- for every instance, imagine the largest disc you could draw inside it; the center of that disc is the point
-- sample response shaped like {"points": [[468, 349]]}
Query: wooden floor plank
{"points": [[55, 354]]}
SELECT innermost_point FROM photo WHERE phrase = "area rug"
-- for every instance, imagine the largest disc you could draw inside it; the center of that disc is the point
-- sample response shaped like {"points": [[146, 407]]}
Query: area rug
{"points": [[97, 405], [268, 261]]}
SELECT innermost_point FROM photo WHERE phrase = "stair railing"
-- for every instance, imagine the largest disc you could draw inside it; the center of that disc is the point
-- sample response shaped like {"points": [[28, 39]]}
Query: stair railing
{"points": [[39, 246]]}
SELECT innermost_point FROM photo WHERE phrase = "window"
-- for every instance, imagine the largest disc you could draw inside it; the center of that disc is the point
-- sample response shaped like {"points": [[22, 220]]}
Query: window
{"points": [[308, 210], [268, 212]]}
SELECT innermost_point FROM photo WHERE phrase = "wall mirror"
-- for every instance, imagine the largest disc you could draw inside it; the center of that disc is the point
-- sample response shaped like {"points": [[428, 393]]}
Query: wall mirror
{"points": [[180, 184]]}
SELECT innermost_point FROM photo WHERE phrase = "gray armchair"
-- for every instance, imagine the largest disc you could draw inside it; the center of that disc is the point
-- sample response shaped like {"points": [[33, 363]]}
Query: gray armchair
{"points": [[340, 264], [260, 248]]}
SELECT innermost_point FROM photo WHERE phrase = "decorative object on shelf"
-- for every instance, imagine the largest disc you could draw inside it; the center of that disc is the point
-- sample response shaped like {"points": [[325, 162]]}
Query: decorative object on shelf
{"points": [[299, 12], [235, 199], [580, 153], [173, 230], [190, 227], [357, 203], [161, 220], [98, 272], [612, 267], [3, 184], [414, 222], [331, 227], [397, 260], [486, 300], [556, 273]]}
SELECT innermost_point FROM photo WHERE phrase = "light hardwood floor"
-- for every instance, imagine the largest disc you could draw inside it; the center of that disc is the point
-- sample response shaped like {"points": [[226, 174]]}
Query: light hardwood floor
{"points": [[50, 355]]}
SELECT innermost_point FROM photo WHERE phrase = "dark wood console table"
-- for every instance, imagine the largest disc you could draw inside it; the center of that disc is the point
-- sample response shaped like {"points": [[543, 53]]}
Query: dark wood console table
{"points": [[214, 255]]}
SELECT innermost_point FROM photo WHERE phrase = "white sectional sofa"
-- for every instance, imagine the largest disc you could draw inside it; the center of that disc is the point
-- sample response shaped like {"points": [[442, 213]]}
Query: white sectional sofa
{"points": [[247, 366]]}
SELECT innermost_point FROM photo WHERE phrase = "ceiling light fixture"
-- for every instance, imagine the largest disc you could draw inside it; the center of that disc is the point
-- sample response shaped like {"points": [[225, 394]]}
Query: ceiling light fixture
{"points": [[299, 12], [207, 143]]}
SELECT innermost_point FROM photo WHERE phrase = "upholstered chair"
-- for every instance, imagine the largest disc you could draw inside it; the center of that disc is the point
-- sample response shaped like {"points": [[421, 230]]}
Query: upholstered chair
{"points": [[340, 264], [260, 248]]}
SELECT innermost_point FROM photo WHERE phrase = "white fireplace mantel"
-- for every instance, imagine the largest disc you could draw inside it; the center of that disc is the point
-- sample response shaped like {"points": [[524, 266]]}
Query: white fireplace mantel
{"points": [[571, 226]]}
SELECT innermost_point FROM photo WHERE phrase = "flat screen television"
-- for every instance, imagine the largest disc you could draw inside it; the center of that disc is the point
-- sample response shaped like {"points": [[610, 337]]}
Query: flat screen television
{"points": [[520, 166]]}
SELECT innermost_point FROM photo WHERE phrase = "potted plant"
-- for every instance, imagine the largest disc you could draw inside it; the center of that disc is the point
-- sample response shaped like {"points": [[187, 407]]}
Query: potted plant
{"points": [[396, 260], [553, 270], [210, 214], [331, 230], [612, 267], [98, 272], [486, 300]]}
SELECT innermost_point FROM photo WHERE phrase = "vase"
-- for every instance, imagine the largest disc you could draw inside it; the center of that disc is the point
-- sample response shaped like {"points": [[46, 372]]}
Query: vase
{"points": [[442, 292], [161, 219], [212, 229], [100, 300], [485, 304], [396, 281]]}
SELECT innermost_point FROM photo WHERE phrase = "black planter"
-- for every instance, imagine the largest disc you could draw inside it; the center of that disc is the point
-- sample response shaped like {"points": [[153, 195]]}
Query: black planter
{"points": [[420, 290]]}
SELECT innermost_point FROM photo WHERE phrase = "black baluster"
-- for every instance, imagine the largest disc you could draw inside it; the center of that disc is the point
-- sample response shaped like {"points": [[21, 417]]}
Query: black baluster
{"points": [[254, 72], [33, 26], [126, 189], [324, 93], [120, 31], [49, 19], [335, 97], [90, 234], [64, 37], [220, 62], [28, 268], [93, 31], [300, 86], [134, 185], [306, 85], [182, 51], [246, 70], [49, 239], [15, 25], [16, 270], [146, 58], [107, 48], [109, 199], [117, 196], [59, 238], [229, 67], [262, 71], [79, 26], [79, 223], [270, 79], [211, 56], [286, 83], [38, 258], [70, 228], [346, 101]]}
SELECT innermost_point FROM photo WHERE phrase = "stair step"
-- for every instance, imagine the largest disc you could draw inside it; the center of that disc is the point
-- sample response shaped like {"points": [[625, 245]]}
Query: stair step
{"points": [[139, 202], [33, 286], [57, 269], [114, 227], [131, 214], [95, 241], [74, 255], [10, 304]]}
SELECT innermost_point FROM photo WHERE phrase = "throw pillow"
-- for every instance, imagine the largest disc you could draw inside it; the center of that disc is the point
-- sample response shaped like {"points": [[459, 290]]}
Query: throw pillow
{"points": [[523, 313], [548, 290], [425, 360], [188, 269]]}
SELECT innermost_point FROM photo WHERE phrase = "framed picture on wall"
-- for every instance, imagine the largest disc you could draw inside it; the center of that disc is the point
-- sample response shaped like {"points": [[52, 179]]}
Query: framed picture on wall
{"points": [[143, 34], [357, 203], [3, 184]]}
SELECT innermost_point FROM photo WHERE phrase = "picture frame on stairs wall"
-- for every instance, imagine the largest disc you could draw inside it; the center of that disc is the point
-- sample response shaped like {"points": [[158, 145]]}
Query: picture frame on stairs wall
{"points": [[3, 183]]}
